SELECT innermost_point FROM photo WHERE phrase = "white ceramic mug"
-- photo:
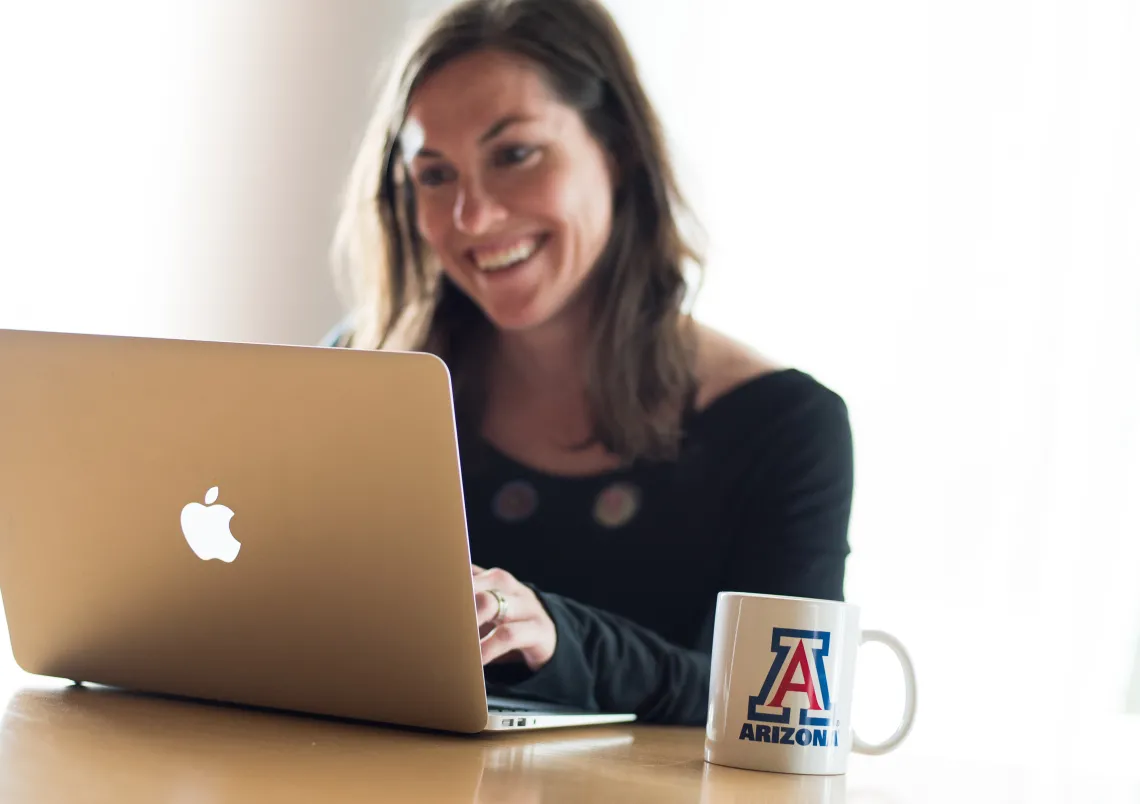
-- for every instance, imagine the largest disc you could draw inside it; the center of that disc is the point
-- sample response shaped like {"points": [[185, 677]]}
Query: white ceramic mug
{"points": [[783, 670]]}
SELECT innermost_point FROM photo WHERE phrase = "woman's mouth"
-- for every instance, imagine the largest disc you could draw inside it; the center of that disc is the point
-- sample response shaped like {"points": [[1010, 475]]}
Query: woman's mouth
{"points": [[495, 260]]}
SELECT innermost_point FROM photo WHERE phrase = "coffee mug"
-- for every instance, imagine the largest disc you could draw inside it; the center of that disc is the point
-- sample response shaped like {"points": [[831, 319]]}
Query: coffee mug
{"points": [[783, 670]]}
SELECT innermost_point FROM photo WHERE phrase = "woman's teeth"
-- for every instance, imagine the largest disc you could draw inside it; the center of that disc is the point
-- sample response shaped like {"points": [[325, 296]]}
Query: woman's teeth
{"points": [[498, 260]]}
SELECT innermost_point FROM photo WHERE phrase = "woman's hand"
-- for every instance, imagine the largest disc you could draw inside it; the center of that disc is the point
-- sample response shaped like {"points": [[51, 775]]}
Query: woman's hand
{"points": [[517, 625]]}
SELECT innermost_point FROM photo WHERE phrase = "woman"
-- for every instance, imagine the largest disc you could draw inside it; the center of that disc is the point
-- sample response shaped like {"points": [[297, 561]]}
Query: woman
{"points": [[513, 210]]}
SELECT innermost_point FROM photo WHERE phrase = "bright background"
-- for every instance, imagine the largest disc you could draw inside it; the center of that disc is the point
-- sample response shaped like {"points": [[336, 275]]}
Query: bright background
{"points": [[933, 207]]}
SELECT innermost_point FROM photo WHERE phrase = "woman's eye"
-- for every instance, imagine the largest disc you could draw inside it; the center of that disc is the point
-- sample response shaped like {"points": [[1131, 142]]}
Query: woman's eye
{"points": [[513, 155], [433, 176]]}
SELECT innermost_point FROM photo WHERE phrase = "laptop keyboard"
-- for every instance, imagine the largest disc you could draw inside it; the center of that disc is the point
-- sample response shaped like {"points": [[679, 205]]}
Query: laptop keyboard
{"points": [[510, 706], [499, 705]]}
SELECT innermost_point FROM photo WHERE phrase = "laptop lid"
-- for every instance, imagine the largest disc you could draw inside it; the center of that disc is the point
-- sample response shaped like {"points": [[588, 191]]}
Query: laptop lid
{"points": [[345, 589]]}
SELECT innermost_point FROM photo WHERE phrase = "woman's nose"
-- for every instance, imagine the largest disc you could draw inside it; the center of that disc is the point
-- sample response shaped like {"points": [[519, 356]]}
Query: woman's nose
{"points": [[476, 212]]}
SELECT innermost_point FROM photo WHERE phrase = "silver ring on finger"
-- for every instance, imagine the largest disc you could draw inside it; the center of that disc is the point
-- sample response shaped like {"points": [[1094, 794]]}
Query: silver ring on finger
{"points": [[503, 606]]}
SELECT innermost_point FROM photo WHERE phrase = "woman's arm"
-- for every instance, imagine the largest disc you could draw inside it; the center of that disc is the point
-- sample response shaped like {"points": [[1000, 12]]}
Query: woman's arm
{"points": [[789, 516]]}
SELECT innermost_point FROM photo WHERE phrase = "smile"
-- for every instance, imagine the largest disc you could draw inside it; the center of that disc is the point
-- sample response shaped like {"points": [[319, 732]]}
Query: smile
{"points": [[500, 259]]}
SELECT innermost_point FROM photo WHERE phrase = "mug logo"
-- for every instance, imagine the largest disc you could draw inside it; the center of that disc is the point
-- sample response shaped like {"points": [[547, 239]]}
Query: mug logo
{"points": [[797, 679]]}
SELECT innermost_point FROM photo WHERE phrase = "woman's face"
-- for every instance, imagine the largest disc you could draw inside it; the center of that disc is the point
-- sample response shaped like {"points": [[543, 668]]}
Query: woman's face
{"points": [[512, 191]]}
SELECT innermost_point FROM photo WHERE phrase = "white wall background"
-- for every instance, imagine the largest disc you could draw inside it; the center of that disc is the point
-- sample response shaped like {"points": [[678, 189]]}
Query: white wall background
{"points": [[173, 168], [933, 207]]}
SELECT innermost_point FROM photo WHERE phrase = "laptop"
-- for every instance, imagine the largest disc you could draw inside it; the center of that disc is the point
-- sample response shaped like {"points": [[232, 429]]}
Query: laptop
{"points": [[273, 526]]}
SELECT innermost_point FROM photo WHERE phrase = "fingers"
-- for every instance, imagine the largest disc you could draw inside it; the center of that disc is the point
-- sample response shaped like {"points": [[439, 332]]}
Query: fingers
{"points": [[487, 607], [486, 604], [494, 578], [525, 626], [486, 584], [514, 635]]}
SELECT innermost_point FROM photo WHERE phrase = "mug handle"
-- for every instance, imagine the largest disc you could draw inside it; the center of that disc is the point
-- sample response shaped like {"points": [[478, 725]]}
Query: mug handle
{"points": [[892, 742]]}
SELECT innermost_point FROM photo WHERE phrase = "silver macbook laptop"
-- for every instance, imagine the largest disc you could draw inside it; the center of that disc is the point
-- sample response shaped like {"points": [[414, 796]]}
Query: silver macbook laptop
{"points": [[276, 526]]}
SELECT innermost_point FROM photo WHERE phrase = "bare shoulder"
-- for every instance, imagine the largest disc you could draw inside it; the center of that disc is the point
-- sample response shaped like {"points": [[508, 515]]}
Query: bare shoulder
{"points": [[724, 363]]}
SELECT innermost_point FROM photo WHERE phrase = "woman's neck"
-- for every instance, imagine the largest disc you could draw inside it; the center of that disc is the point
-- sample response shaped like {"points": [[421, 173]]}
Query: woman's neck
{"points": [[548, 358], [537, 406]]}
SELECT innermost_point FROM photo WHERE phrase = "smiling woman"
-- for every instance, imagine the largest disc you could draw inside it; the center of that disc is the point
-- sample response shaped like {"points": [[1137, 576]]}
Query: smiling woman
{"points": [[502, 133], [513, 210], [513, 192]]}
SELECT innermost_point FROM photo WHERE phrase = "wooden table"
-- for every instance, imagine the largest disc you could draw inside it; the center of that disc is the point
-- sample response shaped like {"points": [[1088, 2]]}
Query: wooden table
{"points": [[62, 744]]}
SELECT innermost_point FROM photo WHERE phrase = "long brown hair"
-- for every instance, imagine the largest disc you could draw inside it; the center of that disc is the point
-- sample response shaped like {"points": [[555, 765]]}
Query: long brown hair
{"points": [[640, 375]]}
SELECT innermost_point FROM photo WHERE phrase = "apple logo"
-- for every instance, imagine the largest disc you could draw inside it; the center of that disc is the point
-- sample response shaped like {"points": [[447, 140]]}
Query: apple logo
{"points": [[207, 529]]}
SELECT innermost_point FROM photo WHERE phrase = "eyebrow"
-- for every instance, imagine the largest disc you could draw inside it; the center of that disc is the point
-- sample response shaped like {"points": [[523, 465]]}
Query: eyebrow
{"points": [[501, 125]]}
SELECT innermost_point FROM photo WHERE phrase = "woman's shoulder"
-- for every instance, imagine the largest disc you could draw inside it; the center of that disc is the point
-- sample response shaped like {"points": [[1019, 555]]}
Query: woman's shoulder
{"points": [[744, 396], [724, 364]]}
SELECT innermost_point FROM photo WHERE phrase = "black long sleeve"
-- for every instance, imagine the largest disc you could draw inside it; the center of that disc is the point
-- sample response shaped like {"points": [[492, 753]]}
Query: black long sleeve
{"points": [[760, 502]]}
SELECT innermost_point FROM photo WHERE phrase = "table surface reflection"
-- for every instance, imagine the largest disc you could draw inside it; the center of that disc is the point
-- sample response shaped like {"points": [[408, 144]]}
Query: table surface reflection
{"points": [[70, 744]]}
